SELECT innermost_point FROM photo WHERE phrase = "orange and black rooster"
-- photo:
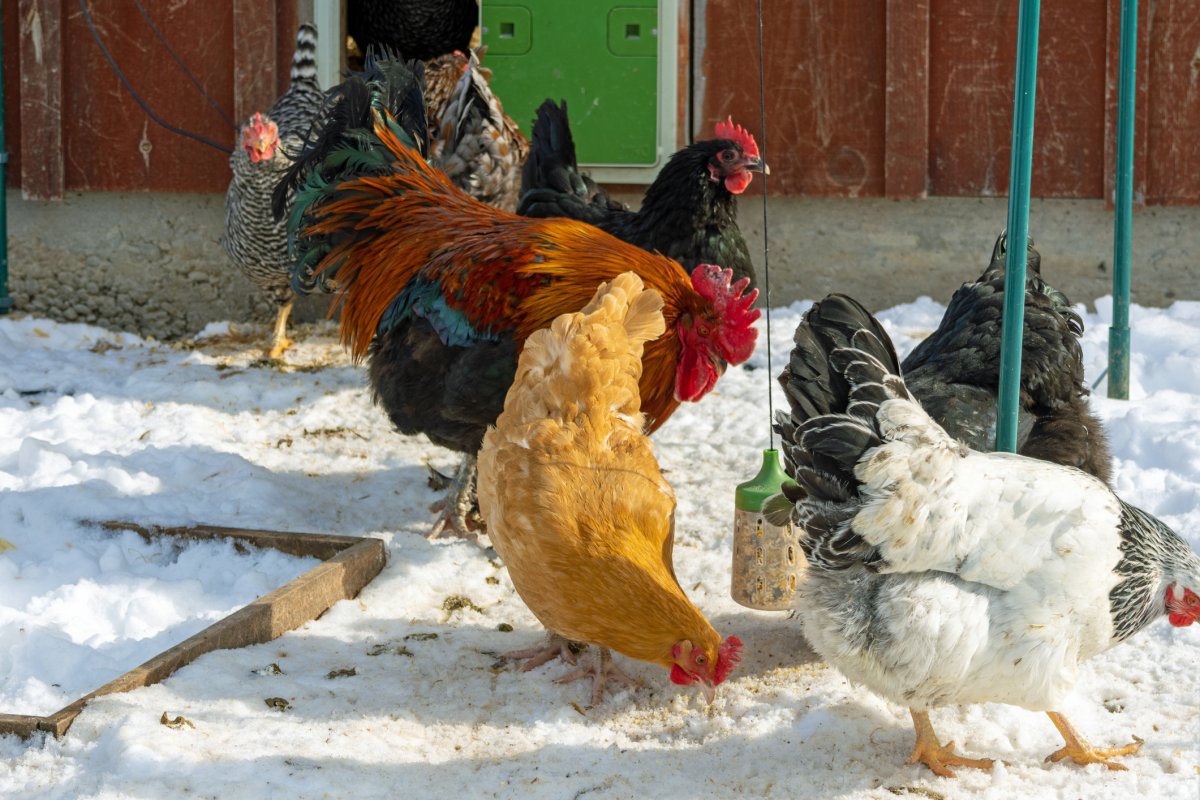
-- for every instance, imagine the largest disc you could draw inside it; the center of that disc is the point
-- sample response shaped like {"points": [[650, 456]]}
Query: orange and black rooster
{"points": [[439, 291]]}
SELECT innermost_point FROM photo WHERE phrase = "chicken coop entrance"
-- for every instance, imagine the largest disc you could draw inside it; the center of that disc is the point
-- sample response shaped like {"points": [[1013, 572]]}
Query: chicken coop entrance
{"points": [[613, 62]]}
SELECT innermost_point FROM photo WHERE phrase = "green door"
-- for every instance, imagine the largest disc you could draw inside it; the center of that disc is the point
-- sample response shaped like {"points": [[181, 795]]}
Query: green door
{"points": [[601, 57]]}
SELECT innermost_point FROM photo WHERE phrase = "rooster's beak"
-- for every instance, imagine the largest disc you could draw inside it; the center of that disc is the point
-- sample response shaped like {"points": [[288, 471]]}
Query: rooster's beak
{"points": [[710, 691]]}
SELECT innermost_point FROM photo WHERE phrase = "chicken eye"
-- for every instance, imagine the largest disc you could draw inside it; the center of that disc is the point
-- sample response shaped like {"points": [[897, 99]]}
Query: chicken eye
{"points": [[727, 155], [701, 659], [1191, 599], [703, 330]]}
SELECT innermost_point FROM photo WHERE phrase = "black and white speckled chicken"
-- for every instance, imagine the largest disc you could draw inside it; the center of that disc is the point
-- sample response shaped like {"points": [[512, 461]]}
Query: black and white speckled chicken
{"points": [[954, 372], [255, 241], [941, 575]]}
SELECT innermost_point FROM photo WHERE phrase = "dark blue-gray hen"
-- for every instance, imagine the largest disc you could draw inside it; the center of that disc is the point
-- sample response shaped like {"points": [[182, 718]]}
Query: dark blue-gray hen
{"points": [[254, 239]]}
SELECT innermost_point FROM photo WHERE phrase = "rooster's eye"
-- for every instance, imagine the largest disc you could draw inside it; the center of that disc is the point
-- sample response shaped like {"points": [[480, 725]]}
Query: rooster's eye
{"points": [[1191, 599], [701, 659], [703, 330], [727, 155]]}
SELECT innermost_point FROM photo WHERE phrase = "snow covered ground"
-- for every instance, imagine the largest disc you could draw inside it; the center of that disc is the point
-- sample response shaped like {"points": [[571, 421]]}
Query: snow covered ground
{"points": [[398, 693]]}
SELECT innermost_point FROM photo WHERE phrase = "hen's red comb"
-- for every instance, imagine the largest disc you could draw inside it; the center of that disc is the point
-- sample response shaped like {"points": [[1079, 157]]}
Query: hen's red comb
{"points": [[728, 656], [736, 133]]}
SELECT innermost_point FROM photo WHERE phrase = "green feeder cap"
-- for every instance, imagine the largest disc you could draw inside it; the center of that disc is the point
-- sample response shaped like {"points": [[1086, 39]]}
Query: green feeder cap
{"points": [[751, 494]]}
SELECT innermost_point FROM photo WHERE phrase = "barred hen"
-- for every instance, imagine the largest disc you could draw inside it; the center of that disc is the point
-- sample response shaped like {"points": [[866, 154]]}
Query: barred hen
{"points": [[941, 575], [439, 291], [254, 238], [688, 213]]}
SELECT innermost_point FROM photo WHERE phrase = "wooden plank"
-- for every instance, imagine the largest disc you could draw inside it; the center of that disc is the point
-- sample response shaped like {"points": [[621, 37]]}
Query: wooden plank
{"points": [[342, 575], [972, 66], [255, 57], [41, 99], [1140, 143], [1172, 163], [906, 131], [825, 78]]}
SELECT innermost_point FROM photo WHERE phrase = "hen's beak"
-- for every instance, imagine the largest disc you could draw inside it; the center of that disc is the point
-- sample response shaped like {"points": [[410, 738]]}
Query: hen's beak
{"points": [[755, 164], [710, 691]]}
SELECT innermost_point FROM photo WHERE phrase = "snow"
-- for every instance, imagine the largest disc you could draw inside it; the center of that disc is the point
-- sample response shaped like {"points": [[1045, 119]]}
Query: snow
{"points": [[101, 425]]}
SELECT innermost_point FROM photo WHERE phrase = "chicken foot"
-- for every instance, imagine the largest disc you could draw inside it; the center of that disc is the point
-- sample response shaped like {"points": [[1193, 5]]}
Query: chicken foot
{"points": [[1079, 751], [933, 754], [459, 508], [601, 671], [279, 340], [554, 647]]}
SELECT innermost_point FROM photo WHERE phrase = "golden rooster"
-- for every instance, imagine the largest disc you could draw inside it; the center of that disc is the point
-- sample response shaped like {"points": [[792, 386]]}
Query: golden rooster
{"points": [[577, 507]]}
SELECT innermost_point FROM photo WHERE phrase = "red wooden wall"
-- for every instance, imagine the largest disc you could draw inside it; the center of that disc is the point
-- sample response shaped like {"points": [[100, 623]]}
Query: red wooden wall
{"points": [[70, 124], [903, 98], [894, 98]]}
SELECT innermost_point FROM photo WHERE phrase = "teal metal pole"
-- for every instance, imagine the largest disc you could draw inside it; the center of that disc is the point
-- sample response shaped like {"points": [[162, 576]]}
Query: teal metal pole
{"points": [[5, 300], [1118, 333], [1020, 170]]}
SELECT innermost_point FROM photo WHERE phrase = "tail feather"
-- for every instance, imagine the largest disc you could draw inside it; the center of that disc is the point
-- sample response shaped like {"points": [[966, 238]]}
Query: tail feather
{"points": [[346, 145], [304, 59], [551, 183], [589, 362]]}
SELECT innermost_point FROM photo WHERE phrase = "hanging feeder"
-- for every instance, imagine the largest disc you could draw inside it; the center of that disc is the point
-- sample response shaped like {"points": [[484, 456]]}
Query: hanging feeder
{"points": [[768, 563]]}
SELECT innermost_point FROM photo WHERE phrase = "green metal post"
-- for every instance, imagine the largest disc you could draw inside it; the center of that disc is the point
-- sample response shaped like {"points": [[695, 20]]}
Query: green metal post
{"points": [[1118, 333], [5, 300], [1020, 170]]}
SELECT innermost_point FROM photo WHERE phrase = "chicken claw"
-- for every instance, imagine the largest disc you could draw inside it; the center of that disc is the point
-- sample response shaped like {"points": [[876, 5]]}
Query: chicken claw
{"points": [[279, 340], [554, 647], [933, 754], [601, 671], [459, 508], [1082, 753]]}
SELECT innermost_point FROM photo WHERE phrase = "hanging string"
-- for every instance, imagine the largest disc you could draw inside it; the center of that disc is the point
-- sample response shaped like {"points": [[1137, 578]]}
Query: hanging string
{"points": [[191, 77], [87, 18], [762, 126]]}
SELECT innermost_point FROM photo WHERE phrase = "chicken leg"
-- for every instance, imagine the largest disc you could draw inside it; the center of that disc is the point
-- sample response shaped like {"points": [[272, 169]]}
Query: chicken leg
{"points": [[554, 647], [933, 754], [1081, 752], [279, 340], [601, 671], [459, 508]]}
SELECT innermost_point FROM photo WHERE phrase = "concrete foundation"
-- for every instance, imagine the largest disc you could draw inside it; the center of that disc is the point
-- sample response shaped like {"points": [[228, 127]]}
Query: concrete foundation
{"points": [[151, 263]]}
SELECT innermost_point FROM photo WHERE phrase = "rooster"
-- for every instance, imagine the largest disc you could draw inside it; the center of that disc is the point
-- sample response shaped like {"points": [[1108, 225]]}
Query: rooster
{"points": [[688, 213], [954, 376], [422, 29], [253, 238], [439, 291], [940, 575], [577, 506]]}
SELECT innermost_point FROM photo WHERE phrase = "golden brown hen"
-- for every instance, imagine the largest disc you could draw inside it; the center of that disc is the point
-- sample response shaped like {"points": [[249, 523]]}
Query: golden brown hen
{"points": [[577, 506]]}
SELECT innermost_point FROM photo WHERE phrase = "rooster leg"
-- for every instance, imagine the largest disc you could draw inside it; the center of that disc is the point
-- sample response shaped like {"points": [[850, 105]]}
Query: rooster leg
{"points": [[1081, 752], [279, 340], [601, 671], [459, 508], [554, 647], [933, 754]]}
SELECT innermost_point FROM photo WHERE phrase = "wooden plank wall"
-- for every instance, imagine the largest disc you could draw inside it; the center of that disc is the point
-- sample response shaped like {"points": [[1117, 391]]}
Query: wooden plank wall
{"points": [[895, 98], [908, 98], [71, 125]]}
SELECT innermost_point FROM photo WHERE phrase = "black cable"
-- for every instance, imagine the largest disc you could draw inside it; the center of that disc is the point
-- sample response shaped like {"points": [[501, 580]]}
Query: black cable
{"points": [[191, 77], [762, 152], [87, 18]]}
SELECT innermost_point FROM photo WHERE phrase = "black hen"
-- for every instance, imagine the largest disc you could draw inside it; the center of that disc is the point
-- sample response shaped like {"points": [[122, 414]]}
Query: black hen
{"points": [[689, 213], [955, 372], [420, 29]]}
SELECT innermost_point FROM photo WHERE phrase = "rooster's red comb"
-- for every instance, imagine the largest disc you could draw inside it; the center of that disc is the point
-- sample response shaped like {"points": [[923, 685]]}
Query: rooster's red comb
{"points": [[736, 133], [728, 656], [736, 333]]}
